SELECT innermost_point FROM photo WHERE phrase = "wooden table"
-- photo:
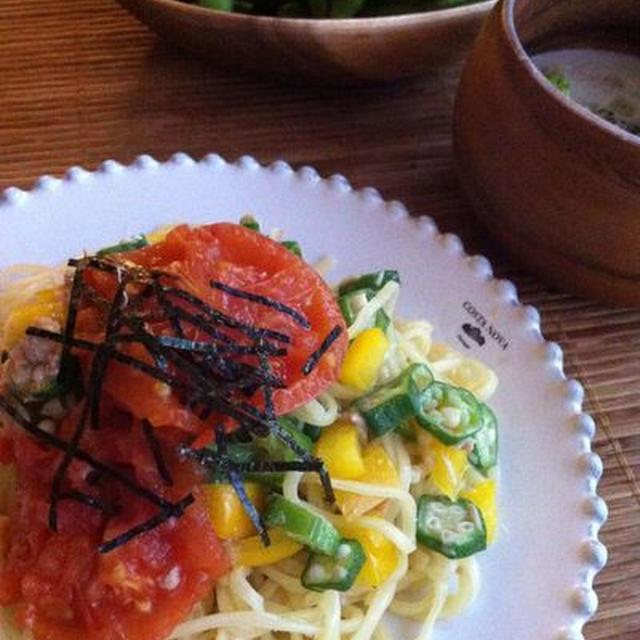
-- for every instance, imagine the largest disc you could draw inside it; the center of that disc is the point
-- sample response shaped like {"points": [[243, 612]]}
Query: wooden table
{"points": [[81, 81]]}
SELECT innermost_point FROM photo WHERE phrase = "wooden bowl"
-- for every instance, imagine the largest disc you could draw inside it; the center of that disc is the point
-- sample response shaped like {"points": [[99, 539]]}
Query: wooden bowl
{"points": [[558, 186], [357, 50]]}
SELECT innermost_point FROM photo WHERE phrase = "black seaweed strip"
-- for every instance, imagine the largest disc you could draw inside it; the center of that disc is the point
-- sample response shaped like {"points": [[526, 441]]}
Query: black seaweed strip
{"points": [[211, 395], [154, 445], [269, 409], [251, 372], [80, 454], [326, 483], [218, 461], [263, 300], [201, 322], [192, 369], [168, 308], [72, 312], [276, 466], [201, 388], [140, 365], [225, 320], [205, 388], [148, 525], [142, 336], [206, 393], [101, 359], [314, 358], [226, 465], [91, 408], [184, 344], [305, 455], [69, 453], [90, 501], [133, 271], [249, 507], [202, 397], [244, 412], [96, 263]]}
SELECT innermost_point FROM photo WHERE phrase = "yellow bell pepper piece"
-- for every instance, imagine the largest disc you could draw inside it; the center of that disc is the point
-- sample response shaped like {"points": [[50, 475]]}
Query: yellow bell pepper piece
{"points": [[228, 516], [46, 303], [450, 465], [381, 554], [364, 358], [339, 447], [160, 234], [378, 469], [483, 495], [251, 552]]}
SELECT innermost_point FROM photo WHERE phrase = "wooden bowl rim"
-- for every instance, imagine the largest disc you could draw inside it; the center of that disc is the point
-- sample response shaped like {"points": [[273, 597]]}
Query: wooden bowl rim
{"points": [[522, 57], [331, 24]]}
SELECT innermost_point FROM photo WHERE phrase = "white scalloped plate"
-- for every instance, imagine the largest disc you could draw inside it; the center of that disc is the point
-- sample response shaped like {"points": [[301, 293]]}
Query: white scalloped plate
{"points": [[537, 579]]}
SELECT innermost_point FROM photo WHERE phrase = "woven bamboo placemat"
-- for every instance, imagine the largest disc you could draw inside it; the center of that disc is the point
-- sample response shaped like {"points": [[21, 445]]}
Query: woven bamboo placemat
{"points": [[81, 82]]}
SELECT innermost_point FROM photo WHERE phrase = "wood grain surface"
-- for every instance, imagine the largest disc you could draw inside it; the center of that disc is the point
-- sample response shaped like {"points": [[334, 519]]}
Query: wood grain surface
{"points": [[82, 81]]}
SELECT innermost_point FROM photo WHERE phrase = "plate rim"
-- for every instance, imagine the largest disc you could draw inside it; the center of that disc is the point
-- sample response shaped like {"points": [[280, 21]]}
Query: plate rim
{"points": [[583, 600]]}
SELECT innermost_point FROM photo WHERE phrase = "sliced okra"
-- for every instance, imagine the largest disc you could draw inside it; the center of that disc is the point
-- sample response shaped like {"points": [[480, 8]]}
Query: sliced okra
{"points": [[454, 529]]}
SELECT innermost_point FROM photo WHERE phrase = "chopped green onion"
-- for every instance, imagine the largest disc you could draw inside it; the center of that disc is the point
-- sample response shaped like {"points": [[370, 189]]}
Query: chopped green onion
{"points": [[238, 452], [293, 246], [272, 448], [126, 245], [352, 302], [249, 221], [374, 281]]}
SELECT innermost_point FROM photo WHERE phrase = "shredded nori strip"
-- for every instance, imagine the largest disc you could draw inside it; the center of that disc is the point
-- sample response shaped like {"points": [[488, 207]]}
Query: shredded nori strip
{"points": [[72, 312], [203, 323], [263, 300], [207, 396], [184, 344], [154, 445], [90, 501], [249, 507], [314, 358], [55, 442], [87, 345], [147, 525], [219, 462], [269, 408], [225, 320], [208, 377], [168, 308], [91, 408]]}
